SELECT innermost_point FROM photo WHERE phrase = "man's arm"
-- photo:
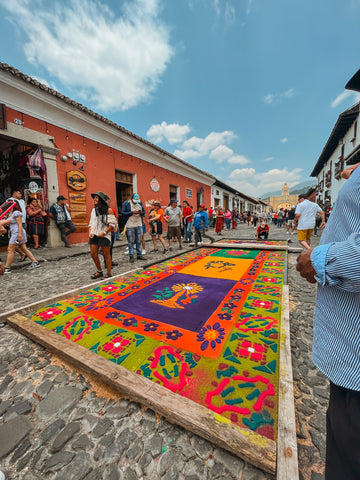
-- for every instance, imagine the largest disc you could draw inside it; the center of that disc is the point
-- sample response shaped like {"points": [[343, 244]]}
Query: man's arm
{"points": [[334, 264]]}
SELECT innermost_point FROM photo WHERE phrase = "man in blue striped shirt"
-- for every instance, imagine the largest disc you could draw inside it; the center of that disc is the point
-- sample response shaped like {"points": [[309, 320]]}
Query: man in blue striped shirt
{"points": [[335, 266]]}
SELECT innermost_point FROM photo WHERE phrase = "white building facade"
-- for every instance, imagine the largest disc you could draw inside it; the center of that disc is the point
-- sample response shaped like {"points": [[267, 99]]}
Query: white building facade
{"points": [[341, 150]]}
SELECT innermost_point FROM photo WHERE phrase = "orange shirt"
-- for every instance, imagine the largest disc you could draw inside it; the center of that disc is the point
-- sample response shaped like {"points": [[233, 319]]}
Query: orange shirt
{"points": [[161, 213]]}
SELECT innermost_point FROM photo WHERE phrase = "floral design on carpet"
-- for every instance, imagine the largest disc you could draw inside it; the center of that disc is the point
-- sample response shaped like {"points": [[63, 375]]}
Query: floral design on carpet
{"points": [[204, 325]]}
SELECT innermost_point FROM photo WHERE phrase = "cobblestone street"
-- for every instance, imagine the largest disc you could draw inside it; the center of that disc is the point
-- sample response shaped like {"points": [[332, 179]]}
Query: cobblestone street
{"points": [[58, 423]]}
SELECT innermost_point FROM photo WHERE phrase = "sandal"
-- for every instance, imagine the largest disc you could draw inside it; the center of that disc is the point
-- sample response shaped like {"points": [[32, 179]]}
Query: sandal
{"points": [[107, 275], [96, 275]]}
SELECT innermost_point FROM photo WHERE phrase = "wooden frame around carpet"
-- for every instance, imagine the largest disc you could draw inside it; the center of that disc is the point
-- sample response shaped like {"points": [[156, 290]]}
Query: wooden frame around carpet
{"points": [[277, 458]]}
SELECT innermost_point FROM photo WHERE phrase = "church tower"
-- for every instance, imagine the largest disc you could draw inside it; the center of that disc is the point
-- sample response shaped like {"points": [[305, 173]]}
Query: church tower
{"points": [[285, 190]]}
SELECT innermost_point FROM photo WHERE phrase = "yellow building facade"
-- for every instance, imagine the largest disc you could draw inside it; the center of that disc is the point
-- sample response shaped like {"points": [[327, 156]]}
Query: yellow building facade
{"points": [[285, 201]]}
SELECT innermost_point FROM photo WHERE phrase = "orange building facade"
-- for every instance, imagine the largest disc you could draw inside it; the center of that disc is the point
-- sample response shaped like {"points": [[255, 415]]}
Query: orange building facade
{"points": [[83, 153]]}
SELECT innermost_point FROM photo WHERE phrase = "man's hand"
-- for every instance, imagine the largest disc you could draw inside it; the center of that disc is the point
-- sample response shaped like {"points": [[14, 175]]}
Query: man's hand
{"points": [[304, 266]]}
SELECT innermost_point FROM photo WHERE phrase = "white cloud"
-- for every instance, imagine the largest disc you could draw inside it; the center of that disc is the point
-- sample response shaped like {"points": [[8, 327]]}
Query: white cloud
{"points": [[238, 160], [344, 96], [269, 159], [247, 180], [284, 140], [173, 133], [196, 147], [113, 62], [221, 153], [276, 98]]}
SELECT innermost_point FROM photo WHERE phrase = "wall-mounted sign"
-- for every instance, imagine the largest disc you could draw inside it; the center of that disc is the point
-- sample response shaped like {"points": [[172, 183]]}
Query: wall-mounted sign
{"points": [[76, 180], [154, 185], [78, 211]]}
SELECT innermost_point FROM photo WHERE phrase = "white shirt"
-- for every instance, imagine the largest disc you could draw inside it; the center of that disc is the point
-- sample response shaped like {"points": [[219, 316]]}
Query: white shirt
{"points": [[97, 226], [307, 211]]}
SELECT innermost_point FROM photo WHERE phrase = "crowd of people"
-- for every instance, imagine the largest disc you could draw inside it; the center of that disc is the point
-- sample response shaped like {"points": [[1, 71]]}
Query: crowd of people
{"points": [[184, 224]]}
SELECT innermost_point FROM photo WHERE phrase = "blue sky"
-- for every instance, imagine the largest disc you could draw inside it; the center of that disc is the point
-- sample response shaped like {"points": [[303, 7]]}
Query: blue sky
{"points": [[247, 90]]}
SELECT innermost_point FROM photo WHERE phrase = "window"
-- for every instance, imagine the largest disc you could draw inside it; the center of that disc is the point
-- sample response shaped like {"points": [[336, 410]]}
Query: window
{"points": [[173, 192], [2, 116], [188, 193], [354, 133]]}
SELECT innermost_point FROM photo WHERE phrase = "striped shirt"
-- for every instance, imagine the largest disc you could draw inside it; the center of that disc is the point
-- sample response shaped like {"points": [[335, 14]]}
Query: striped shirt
{"points": [[336, 346]]}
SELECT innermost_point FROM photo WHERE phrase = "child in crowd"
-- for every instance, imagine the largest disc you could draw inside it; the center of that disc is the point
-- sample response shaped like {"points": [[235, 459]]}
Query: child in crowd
{"points": [[152, 221]]}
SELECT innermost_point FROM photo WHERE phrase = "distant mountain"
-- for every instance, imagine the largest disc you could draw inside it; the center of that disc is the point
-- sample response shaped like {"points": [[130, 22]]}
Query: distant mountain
{"points": [[302, 187]]}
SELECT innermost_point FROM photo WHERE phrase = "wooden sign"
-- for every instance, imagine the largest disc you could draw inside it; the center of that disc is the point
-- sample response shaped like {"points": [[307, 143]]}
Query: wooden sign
{"points": [[76, 180], [78, 211]]}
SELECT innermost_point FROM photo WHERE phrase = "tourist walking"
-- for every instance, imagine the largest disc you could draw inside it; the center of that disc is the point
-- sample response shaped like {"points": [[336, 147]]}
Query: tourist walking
{"points": [[173, 217], [18, 239], [305, 215], [155, 220], [219, 223], [227, 217], [290, 225], [133, 212], [102, 223], [187, 213], [234, 218], [201, 224]]}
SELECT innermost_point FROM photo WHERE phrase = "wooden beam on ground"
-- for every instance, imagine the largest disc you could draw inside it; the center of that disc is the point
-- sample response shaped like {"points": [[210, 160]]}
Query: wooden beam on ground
{"points": [[253, 448], [254, 246], [287, 460], [249, 246]]}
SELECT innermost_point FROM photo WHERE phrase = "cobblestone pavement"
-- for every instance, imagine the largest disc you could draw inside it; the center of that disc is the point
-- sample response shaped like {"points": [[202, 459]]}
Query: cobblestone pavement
{"points": [[57, 423]]}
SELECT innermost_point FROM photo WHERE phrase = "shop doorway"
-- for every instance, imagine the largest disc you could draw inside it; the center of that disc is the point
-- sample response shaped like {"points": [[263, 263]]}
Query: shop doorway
{"points": [[124, 191], [16, 173]]}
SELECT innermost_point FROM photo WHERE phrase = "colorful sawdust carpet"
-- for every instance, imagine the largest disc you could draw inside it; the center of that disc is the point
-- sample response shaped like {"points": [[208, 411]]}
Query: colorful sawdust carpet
{"points": [[204, 325]]}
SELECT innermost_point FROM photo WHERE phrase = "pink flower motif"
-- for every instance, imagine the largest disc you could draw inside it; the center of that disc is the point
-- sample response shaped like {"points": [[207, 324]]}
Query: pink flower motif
{"points": [[116, 345], [109, 288], [50, 313], [262, 304]]}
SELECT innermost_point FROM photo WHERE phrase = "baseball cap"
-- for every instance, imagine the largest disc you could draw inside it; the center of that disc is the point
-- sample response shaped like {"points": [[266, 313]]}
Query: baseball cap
{"points": [[173, 200], [60, 197], [202, 205]]}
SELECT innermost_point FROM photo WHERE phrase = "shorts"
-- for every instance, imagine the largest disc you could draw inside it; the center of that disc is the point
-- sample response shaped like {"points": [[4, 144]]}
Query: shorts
{"points": [[305, 234], [143, 228], [100, 241], [156, 228], [174, 232], [290, 223]]}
